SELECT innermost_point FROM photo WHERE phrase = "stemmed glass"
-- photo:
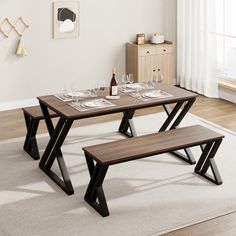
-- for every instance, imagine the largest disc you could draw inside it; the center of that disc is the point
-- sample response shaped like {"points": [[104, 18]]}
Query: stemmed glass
{"points": [[68, 88], [154, 79], [65, 90], [130, 78], [160, 79], [138, 88], [149, 84], [123, 79], [94, 91]]}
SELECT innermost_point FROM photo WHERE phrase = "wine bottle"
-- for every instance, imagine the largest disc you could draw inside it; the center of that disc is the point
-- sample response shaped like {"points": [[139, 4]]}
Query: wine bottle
{"points": [[113, 84]]}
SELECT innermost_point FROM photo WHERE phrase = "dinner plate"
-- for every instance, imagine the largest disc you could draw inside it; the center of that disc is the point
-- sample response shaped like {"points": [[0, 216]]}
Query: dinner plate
{"points": [[152, 94], [76, 94], [93, 104], [133, 86]]}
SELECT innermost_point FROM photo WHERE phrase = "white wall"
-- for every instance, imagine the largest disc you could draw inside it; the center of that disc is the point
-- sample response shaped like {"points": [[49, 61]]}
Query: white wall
{"points": [[170, 25], [105, 27]]}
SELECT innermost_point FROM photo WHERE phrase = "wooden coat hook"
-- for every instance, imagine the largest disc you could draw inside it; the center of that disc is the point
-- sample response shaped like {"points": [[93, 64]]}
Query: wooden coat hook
{"points": [[13, 26]]}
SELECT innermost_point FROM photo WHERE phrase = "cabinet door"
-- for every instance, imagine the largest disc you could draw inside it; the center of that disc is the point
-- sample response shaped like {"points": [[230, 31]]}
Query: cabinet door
{"points": [[165, 64], [147, 64]]}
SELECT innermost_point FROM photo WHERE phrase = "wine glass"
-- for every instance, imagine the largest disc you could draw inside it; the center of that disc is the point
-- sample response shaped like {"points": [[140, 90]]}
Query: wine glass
{"points": [[138, 88], [94, 90], [99, 87], [124, 79], [154, 79], [160, 79], [150, 85], [130, 78], [65, 90], [120, 81]]}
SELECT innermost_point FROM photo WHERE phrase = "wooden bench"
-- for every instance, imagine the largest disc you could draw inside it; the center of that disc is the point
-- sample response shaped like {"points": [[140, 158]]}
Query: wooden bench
{"points": [[144, 146], [32, 117]]}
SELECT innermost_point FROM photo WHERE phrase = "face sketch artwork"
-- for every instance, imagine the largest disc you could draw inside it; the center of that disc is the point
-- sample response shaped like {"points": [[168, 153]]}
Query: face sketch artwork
{"points": [[66, 19]]}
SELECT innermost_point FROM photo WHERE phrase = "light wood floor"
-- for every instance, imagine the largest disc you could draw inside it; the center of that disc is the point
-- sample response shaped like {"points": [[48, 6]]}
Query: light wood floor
{"points": [[215, 110]]}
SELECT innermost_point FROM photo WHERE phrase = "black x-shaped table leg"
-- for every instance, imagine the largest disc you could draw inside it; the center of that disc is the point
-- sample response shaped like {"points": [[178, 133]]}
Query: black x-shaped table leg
{"points": [[53, 151], [174, 116], [127, 123], [188, 157]]}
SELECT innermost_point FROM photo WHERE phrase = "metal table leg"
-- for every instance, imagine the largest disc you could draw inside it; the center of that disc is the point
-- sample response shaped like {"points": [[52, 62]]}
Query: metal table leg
{"points": [[171, 115], [188, 157], [53, 151], [127, 123]]}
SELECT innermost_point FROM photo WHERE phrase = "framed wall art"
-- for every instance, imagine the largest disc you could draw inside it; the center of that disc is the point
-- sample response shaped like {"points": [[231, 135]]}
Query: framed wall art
{"points": [[66, 19]]}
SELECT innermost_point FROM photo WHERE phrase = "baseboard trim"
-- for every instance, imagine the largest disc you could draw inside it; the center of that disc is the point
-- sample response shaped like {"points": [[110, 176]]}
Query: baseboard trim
{"points": [[231, 85], [18, 104]]}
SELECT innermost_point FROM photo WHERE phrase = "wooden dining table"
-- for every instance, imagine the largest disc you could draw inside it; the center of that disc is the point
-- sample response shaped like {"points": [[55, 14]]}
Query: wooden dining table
{"points": [[176, 107]]}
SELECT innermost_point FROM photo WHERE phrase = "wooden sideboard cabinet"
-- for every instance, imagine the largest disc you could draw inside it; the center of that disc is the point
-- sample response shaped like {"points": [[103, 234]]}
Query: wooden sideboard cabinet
{"points": [[146, 60]]}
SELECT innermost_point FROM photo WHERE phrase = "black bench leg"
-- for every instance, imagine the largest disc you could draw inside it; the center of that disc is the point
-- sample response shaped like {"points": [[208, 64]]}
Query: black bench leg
{"points": [[30, 144], [188, 157], [207, 160], [127, 123], [94, 195]]}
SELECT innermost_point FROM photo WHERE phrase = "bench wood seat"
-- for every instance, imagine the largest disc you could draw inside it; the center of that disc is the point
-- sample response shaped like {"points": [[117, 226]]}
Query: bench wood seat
{"points": [[36, 113], [151, 144], [32, 117], [148, 145]]}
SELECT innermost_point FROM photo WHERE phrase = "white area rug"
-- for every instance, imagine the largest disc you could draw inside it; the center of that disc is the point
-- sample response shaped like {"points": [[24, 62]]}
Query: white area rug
{"points": [[145, 197]]}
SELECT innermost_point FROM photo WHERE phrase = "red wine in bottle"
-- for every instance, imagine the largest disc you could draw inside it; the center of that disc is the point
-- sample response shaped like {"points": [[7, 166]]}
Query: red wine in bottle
{"points": [[113, 84]]}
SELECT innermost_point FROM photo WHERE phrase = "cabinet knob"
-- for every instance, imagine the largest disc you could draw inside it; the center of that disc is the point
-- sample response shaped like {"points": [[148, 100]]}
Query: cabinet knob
{"points": [[154, 70], [164, 50], [147, 51], [159, 70]]}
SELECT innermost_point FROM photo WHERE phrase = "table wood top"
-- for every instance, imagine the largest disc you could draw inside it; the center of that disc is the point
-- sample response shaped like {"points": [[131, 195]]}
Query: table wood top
{"points": [[126, 102]]}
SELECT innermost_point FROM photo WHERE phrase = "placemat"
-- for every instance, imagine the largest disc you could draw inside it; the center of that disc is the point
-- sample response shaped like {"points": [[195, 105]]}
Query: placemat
{"points": [[68, 98], [143, 98], [91, 104]]}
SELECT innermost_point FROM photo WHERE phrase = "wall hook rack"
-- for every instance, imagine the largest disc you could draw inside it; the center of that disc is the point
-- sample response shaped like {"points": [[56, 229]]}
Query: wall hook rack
{"points": [[13, 26]]}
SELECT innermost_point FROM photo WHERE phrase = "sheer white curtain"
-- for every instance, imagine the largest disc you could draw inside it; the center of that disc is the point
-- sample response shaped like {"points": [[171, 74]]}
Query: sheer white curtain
{"points": [[196, 46]]}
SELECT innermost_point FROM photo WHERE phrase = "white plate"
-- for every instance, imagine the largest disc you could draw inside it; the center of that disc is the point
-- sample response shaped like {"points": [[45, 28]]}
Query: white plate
{"points": [[93, 104], [133, 86], [152, 94], [76, 94]]}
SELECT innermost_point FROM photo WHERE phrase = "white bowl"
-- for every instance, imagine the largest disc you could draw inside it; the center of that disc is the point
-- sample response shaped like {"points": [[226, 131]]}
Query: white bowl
{"points": [[157, 39]]}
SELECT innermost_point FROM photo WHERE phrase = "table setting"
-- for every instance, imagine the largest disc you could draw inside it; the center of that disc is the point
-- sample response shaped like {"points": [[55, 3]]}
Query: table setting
{"points": [[76, 95], [90, 99], [91, 104], [144, 91], [85, 100]]}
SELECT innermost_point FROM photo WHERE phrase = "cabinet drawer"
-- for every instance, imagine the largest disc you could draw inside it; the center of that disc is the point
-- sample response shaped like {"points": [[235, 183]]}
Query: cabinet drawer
{"points": [[146, 51], [162, 50]]}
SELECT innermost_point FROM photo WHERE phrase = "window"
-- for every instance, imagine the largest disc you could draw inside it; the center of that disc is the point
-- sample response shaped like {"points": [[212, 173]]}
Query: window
{"points": [[226, 38]]}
